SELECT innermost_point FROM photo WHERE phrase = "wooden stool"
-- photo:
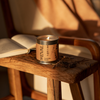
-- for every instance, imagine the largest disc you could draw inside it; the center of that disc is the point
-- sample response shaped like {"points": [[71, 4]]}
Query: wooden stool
{"points": [[70, 69]]}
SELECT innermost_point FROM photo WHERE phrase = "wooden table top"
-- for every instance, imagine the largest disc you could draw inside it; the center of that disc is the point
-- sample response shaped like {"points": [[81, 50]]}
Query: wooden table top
{"points": [[69, 68]]}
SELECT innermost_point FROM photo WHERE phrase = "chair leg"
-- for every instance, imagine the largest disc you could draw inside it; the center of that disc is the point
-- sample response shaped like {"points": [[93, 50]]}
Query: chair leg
{"points": [[97, 85], [53, 89], [76, 91], [15, 84]]}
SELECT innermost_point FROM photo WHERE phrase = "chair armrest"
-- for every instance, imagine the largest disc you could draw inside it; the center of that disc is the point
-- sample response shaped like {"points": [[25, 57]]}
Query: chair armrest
{"points": [[93, 47]]}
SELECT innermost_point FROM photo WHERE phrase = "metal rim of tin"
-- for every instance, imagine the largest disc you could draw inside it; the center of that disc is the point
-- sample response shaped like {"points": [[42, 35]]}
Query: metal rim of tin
{"points": [[52, 40], [47, 62]]}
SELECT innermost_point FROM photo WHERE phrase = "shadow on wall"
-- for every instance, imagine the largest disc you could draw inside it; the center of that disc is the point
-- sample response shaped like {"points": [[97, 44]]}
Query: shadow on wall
{"points": [[93, 31], [4, 86], [3, 32]]}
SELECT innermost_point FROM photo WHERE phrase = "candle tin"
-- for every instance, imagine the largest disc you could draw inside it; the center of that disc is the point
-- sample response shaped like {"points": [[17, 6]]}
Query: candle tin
{"points": [[47, 49]]}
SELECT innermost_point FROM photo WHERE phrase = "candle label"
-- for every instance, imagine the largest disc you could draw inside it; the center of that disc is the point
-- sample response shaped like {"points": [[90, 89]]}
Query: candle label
{"points": [[47, 52]]}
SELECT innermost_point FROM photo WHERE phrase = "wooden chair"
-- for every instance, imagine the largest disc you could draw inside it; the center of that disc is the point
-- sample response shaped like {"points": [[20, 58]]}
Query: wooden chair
{"points": [[91, 45]]}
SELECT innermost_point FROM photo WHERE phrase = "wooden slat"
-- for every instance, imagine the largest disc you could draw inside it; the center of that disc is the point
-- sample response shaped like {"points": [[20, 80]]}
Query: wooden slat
{"points": [[38, 95], [28, 63], [53, 90], [10, 97], [27, 91], [76, 91], [15, 83]]}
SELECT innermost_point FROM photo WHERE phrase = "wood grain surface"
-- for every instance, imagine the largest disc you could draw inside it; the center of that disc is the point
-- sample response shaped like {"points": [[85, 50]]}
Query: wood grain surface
{"points": [[76, 91], [53, 90], [58, 71]]}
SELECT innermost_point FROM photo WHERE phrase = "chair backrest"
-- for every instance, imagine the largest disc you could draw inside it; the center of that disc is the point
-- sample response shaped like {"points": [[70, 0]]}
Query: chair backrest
{"points": [[8, 18]]}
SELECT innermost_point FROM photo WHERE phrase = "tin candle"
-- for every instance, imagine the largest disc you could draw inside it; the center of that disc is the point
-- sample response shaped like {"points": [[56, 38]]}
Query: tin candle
{"points": [[47, 49]]}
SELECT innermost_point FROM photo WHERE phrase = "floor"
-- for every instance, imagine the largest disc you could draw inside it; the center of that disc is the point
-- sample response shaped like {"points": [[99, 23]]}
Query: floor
{"points": [[4, 85]]}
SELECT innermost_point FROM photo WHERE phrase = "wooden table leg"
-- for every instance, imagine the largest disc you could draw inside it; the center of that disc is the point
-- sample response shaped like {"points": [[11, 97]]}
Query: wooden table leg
{"points": [[76, 91], [53, 89], [15, 84]]}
